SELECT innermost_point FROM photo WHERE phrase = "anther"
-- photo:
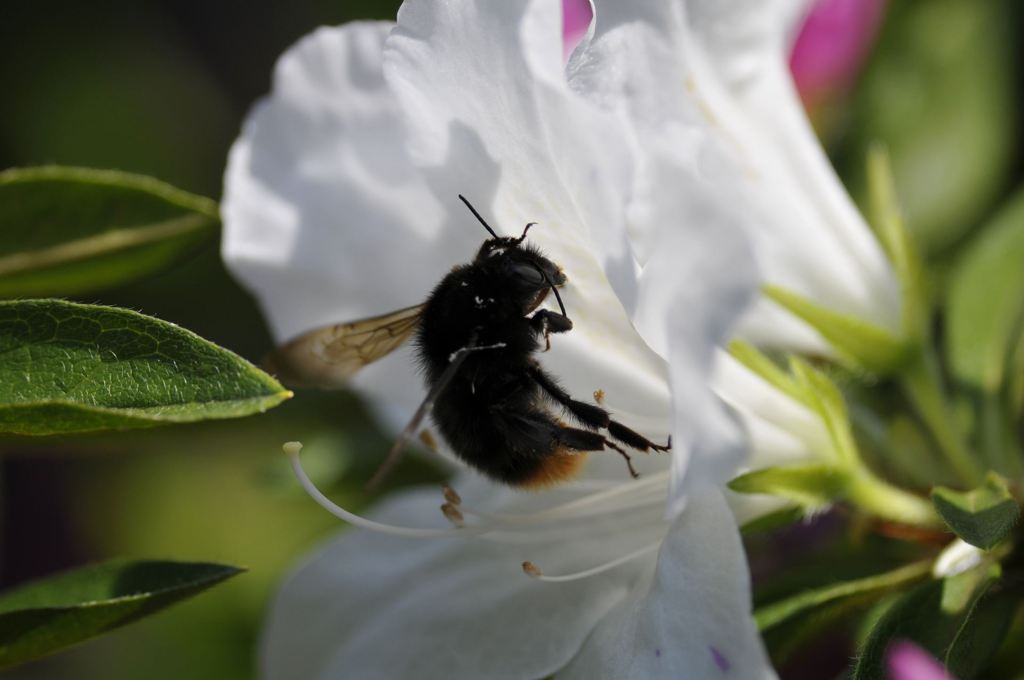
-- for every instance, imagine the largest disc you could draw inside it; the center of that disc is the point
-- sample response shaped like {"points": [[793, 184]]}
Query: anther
{"points": [[531, 569], [451, 495], [428, 440], [453, 514], [599, 396]]}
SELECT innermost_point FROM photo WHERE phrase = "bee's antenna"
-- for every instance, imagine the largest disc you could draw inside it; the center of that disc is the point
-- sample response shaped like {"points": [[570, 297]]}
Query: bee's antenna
{"points": [[525, 230], [477, 215]]}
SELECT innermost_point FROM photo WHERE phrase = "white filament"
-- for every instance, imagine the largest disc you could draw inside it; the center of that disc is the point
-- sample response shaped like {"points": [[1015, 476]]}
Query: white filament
{"points": [[536, 573], [292, 450]]}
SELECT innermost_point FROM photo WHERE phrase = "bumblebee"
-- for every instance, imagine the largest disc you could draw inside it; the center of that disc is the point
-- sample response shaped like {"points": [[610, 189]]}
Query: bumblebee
{"points": [[476, 337]]}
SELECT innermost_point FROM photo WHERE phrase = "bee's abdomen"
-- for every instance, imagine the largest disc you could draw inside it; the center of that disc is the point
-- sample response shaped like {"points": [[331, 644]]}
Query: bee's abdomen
{"points": [[506, 435]]}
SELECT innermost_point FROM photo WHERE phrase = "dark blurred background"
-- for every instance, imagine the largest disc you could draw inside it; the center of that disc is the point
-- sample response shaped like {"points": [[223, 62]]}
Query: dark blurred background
{"points": [[161, 87]]}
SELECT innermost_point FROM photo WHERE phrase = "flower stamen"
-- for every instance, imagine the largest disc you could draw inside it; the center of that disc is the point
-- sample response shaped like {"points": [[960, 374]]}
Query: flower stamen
{"points": [[451, 495]]}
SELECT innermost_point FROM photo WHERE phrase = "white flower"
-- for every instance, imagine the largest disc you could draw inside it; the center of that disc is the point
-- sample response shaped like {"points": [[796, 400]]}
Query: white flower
{"points": [[340, 203]]}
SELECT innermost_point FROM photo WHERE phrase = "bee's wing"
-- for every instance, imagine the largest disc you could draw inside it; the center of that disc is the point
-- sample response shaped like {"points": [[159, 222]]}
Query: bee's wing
{"points": [[329, 356]]}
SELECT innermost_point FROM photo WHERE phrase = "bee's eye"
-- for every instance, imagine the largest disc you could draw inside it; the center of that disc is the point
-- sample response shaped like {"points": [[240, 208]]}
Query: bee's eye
{"points": [[528, 273]]}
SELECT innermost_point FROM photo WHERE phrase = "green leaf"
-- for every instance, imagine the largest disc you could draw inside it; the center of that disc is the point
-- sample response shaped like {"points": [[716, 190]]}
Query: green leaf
{"points": [[859, 342], [986, 301], [828, 402], [67, 231], [67, 367], [759, 364], [811, 486], [779, 612], [48, 615], [982, 632], [982, 517], [887, 221]]}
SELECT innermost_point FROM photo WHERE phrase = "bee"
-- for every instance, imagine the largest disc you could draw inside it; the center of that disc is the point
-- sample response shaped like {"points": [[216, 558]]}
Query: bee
{"points": [[476, 339]]}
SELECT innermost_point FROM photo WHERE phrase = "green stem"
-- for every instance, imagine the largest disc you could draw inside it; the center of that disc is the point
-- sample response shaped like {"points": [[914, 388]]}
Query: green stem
{"points": [[890, 502], [923, 385]]}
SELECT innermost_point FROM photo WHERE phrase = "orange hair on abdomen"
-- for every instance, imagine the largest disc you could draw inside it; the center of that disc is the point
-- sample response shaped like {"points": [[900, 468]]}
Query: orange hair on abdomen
{"points": [[557, 467]]}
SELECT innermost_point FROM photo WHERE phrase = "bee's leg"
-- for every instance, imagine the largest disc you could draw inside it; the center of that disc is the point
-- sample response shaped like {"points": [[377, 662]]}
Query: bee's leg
{"points": [[635, 440], [547, 322], [594, 416], [590, 415], [585, 440]]}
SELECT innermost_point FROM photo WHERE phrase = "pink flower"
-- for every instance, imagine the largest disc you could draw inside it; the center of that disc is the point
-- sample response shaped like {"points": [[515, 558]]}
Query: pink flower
{"points": [[576, 17], [907, 661], [832, 45]]}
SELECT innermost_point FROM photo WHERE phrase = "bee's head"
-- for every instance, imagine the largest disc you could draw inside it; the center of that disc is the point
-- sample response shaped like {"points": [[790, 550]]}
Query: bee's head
{"points": [[525, 271], [528, 274]]}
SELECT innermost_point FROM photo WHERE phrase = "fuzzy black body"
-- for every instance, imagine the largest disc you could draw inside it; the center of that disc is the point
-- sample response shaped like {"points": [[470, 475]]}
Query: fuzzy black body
{"points": [[496, 411], [491, 413]]}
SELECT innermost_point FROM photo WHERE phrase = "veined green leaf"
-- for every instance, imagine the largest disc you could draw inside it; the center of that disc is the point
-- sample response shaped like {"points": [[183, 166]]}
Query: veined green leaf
{"points": [[67, 367], [66, 231], [982, 517], [45, 616]]}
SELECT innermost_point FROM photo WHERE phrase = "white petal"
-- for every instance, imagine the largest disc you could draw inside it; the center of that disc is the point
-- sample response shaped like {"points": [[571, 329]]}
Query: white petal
{"points": [[374, 606], [692, 618], [698, 272], [325, 217], [741, 34]]}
